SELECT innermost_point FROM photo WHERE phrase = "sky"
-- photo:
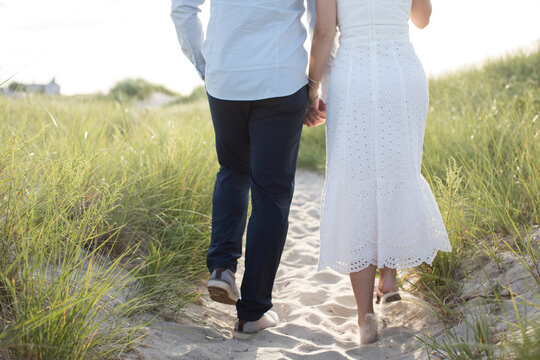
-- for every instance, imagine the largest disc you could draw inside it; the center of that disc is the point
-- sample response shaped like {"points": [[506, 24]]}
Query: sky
{"points": [[90, 45]]}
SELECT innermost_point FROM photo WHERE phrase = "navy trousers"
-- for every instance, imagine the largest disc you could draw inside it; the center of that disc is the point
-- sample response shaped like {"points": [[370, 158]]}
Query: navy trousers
{"points": [[257, 146]]}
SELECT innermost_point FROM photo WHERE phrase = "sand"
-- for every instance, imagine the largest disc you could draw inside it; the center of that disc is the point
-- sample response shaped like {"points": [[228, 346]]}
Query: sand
{"points": [[317, 310]]}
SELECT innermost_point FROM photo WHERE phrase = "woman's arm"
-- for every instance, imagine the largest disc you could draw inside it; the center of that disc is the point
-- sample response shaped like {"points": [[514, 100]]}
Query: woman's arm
{"points": [[420, 13], [323, 38], [321, 44]]}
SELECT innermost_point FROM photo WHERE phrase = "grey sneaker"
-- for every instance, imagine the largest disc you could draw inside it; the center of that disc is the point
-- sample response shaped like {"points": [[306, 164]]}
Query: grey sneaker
{"points": [[222, 287]]}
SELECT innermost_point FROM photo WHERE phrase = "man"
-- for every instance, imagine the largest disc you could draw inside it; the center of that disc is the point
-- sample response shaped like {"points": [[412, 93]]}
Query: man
{"points": [[253, 63]]}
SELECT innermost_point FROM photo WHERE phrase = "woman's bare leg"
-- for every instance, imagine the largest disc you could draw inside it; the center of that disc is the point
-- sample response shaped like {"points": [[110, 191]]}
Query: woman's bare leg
{"points": [[363, 283]]}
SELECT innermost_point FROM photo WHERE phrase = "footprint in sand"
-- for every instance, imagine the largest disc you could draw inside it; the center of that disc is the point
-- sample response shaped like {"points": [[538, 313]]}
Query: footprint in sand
{"points": [[326, 277], [310, 297]]}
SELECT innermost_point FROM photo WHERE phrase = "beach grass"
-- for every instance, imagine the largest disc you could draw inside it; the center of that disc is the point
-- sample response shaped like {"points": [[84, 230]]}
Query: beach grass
{"points": [[484, 123], [104, 212]]}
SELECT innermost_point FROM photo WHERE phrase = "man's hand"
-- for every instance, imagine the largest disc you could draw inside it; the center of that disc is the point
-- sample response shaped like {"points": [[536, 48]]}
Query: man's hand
{"points": [[316, 113]]}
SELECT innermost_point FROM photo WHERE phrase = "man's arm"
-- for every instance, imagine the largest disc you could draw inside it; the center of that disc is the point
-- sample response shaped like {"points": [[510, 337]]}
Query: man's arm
{"points": [[184, 14]]}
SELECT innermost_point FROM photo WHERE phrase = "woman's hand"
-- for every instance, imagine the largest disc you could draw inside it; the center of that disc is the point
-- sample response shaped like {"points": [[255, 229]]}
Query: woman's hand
{"points": [[420, 13]]}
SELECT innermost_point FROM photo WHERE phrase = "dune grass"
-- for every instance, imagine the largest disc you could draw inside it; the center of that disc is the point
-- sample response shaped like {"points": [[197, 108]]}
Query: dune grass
{"points": [[485, 123], [137, 89], [98, 203]]}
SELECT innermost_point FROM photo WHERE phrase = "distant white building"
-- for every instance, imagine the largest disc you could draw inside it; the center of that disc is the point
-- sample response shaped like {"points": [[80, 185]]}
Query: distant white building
{"points": [[51, 88]]}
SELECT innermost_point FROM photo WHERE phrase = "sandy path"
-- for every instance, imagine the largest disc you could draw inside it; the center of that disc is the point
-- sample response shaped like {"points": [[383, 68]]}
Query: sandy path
{"points": [[317, 310]]}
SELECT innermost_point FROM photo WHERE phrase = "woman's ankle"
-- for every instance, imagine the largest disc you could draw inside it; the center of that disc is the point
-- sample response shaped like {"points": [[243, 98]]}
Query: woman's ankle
{"points": [[362, 319], [368, 328]]}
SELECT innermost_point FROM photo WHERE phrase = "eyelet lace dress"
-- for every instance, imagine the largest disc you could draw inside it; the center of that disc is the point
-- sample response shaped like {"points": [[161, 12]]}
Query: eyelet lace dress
{"points": [[377, 208]]}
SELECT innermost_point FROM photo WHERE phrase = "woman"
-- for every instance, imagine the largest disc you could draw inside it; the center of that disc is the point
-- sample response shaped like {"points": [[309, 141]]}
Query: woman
{"points": [[378, 211]]}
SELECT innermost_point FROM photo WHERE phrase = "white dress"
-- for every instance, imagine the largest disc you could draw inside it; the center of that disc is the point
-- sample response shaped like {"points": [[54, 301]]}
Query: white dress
{"points": [[377, 208]]}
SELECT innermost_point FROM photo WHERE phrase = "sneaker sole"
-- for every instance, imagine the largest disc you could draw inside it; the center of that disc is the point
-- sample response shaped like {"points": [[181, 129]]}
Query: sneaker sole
{"points": [[220, 292]]}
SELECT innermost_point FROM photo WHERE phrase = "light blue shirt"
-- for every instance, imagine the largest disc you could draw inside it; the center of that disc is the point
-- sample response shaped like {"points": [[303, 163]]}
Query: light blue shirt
{"points": [[254, 49]]}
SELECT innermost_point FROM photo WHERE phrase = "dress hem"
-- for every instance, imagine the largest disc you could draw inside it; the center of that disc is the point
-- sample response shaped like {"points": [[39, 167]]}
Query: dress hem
{"points": [[347, 270]]}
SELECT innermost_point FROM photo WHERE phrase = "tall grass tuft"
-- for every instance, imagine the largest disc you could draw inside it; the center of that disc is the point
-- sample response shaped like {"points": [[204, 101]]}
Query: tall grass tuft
{"points": [[137, 89], [104, 212]]}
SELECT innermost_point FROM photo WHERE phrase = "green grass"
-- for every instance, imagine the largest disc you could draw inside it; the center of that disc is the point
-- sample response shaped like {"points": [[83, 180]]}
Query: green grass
{"points": [[137, 89], [312, 154], [486, 121], [95, 196]]}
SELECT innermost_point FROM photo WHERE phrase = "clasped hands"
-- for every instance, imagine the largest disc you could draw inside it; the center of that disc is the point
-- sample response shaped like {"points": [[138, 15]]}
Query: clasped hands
{"points": [[316, 111]]}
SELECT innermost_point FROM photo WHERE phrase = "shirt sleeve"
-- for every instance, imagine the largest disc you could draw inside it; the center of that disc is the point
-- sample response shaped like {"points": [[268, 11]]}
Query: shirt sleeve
{"points": [[189, 30]]}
